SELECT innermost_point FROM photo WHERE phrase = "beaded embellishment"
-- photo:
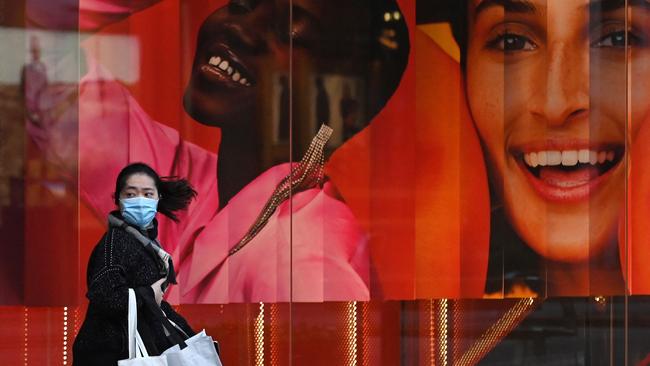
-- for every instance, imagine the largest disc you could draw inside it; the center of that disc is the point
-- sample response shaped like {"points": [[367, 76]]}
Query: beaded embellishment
{"points": [[308, 173]]}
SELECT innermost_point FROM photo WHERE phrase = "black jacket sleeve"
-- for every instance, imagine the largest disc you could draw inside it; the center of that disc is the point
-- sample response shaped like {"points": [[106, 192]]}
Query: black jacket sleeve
{"points": [[107, 278]]}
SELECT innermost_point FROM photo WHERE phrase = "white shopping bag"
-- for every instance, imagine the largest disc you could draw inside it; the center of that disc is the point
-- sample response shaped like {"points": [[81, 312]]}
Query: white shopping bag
{"points": [[138, 355], [200, 351]]}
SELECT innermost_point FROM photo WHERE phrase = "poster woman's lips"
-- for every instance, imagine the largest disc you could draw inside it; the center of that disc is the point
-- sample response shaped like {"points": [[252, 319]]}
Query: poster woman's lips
{"points": [[229, 68], [222, 65], [566, 172]]}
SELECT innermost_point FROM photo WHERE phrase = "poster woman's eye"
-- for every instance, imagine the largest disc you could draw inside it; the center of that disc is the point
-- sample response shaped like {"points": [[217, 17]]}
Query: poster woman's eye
{"points": [[511, 42], [303, 28], [617, 40]]}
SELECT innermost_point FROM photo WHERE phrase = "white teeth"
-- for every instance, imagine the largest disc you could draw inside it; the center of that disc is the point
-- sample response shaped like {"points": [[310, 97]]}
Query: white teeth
{"points": [[541, 158], [229, 69], [533, 159], [214, 61], [568, 157], [553, 158]]}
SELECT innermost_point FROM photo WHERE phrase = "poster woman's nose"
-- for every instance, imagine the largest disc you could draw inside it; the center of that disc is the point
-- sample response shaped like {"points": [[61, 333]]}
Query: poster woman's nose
{"points": [[565, 97]]}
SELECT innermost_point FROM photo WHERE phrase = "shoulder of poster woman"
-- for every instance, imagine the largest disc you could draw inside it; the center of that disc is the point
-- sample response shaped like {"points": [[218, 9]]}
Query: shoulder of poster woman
{"points": [[81, 15]]}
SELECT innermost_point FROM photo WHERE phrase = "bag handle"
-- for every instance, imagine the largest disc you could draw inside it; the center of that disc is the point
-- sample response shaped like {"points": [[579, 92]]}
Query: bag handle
{"points": [[132, 323], [136, 345], [142, 350]]}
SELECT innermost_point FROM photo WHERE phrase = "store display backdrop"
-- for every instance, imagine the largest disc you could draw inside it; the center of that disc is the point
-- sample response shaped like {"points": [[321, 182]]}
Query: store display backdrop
{"points": [[415, 287]]}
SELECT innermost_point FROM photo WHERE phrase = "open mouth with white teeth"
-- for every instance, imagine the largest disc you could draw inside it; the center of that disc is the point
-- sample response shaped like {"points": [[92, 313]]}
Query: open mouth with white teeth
{"points": [[227, 69], [569, 174]]}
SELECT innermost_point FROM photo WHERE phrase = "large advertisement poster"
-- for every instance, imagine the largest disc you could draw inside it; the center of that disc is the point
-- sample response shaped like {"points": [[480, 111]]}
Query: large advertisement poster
{"points": [[340, 150], [546, 97]]}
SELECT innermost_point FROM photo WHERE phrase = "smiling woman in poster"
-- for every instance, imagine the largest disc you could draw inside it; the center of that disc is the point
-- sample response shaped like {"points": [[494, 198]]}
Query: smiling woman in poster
{"points": [[543, 86]]}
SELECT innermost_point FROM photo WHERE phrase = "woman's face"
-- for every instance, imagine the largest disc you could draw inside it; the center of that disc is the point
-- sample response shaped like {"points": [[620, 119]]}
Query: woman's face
{"points": [[546, 83], [240, 43], [139, 185]]}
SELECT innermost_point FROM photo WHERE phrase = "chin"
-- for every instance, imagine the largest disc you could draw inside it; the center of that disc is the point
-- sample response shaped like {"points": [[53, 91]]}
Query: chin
{"points": [[203, 109], [566, 251], [567, 247]]}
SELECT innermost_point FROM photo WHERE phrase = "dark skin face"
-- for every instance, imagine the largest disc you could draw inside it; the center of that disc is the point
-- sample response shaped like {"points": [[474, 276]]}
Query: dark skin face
{"points": [[244, 45], [240, 41]]}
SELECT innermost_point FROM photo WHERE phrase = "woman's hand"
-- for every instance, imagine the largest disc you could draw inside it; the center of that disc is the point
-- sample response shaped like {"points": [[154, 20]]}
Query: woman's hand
{"points": [[157, 290]]}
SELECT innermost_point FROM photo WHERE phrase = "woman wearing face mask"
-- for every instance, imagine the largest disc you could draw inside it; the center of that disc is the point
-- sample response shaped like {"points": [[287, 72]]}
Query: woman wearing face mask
{"points": [[129, 255]]}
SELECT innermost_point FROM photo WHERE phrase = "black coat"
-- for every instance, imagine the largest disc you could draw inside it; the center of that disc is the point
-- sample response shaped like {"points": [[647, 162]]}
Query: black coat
{"points": [[119, 262]]}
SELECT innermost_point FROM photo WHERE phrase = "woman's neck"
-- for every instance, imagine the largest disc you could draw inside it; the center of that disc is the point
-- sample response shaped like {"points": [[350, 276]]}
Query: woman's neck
{"points": [[238, 161]]}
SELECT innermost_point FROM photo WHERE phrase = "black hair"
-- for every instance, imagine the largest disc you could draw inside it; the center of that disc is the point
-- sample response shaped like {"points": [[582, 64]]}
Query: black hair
{"points": [[442, 11], [458, 22], [175, 193]]}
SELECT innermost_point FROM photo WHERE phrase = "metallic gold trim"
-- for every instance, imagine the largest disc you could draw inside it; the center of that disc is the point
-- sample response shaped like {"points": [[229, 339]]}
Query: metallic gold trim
{"points": [[308, 173]]}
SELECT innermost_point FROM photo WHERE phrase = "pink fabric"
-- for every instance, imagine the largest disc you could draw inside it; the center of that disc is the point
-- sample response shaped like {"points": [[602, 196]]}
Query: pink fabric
{"points": [[323, 257]]}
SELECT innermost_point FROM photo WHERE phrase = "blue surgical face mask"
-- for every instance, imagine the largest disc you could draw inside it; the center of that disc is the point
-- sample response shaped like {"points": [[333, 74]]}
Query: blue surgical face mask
{"points": [[139, 211]]}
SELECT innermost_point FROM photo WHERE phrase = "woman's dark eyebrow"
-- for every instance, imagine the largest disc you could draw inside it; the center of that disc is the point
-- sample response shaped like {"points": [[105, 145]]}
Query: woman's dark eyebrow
{"points": [[136, 188], [602, 6], [510, 6]]}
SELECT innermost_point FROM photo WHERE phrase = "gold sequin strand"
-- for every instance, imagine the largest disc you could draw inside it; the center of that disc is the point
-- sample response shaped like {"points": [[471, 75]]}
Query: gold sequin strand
{"points": [[308, 173]]}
